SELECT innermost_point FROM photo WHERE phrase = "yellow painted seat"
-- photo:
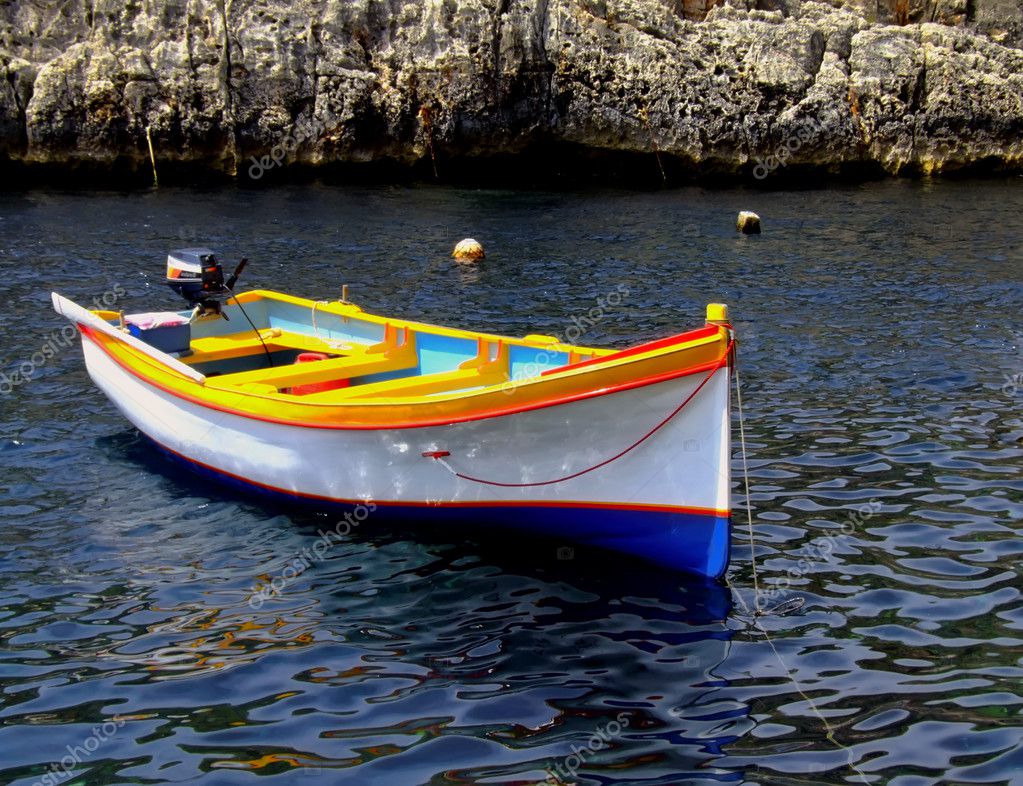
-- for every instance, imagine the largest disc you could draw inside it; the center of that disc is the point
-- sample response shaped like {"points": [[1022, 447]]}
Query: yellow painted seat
{"points": [[205, 350], [489, 367], [426, 385], [389, 355]]}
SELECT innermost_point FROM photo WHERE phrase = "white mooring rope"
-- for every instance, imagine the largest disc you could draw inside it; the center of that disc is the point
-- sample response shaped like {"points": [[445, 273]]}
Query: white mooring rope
{"points": [[783, 608]]}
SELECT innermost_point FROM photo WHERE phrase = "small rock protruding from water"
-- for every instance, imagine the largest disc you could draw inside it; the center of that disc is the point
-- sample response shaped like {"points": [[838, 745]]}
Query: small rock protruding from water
{"points": [[468, 250], [748, 223]]}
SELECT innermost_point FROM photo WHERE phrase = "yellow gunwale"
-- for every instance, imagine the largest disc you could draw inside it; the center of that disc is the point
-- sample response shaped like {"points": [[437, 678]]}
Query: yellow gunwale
{"points": [[354, 410]]}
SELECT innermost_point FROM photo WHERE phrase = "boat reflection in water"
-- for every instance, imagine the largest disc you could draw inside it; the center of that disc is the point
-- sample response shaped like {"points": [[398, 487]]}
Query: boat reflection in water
{"points": [[400, 656]]}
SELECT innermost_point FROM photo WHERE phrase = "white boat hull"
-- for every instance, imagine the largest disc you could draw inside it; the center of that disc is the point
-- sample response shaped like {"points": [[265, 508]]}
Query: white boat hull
{"points": [[666, 500]]}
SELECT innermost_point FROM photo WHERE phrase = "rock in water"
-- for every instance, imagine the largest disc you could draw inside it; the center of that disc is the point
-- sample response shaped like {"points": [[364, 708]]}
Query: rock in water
{"points": [[468, 250], [748, 223]]}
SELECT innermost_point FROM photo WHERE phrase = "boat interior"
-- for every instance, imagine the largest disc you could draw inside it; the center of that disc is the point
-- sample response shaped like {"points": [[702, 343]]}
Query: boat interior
{"points": [[333, 352]]}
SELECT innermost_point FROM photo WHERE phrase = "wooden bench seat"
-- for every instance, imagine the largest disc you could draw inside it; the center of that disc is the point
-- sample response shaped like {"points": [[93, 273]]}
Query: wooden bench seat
{"points": [[489, 367], [426, 385], [387, 356], [319, 371], [212, 348]]}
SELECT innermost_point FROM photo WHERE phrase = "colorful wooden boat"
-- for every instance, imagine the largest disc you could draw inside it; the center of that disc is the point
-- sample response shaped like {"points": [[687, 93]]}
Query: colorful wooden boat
{"points": [[624, 449]]}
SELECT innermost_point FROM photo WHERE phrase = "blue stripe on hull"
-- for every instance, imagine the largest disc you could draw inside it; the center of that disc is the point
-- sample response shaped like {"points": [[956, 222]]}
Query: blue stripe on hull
{"points": [[695, 543], [686, 541]]}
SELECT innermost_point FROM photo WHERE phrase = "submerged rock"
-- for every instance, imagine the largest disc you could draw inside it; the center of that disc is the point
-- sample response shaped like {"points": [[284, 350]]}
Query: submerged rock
{"points": [[244, 87]]}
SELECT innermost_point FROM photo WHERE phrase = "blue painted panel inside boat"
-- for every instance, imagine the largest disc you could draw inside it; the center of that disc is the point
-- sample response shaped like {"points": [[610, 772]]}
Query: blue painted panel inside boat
{"points": [[443, 353], [695, 543], [288, 316], [283, 357], [529, 362]]}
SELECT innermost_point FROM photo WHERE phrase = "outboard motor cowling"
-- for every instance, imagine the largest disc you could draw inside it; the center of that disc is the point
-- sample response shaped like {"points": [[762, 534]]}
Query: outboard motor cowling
{"points": [[196, 275]]}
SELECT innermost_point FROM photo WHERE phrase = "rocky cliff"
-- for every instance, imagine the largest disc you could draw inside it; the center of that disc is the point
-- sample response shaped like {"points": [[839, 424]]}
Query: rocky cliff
{"points": [[745, 86]]}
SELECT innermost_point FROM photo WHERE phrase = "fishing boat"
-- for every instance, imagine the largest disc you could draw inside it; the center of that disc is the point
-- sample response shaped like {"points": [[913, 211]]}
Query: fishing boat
{"points": [[625, 449]]}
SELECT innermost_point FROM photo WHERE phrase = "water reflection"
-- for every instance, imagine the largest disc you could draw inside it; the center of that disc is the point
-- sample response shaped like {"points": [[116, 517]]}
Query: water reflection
{"points": [[875, 365], [392, 654]]}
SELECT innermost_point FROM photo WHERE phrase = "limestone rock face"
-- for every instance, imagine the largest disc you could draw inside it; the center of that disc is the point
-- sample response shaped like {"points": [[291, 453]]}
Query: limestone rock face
{"points": [[749, 85]]}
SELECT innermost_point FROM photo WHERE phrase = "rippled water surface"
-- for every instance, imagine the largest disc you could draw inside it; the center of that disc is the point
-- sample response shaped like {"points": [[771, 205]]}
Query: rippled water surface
{"points": [[880, 331]]}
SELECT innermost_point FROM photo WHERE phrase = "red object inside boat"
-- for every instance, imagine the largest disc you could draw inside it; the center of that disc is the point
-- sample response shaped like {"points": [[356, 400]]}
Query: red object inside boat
{"points": [[316, 387]]}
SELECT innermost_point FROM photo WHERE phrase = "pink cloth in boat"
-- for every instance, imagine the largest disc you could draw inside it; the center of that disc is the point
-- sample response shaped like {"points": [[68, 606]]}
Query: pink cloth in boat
{"points": [[155, 319]]}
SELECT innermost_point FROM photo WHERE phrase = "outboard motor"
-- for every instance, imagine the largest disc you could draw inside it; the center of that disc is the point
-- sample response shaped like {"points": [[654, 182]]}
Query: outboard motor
{"points": [[196, 275]]}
